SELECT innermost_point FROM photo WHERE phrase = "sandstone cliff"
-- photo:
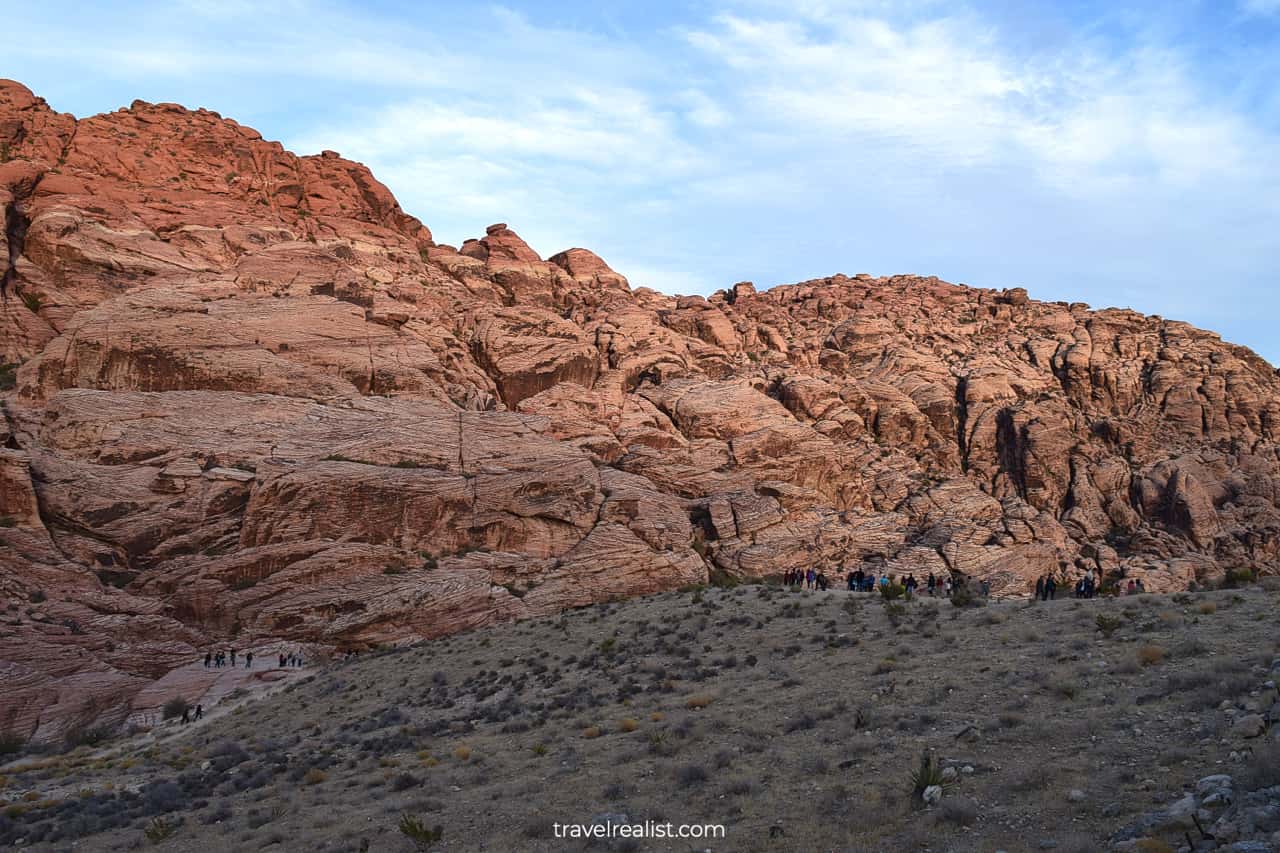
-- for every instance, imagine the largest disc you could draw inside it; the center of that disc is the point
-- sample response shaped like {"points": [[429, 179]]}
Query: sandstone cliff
{"points": [[256, 400]]}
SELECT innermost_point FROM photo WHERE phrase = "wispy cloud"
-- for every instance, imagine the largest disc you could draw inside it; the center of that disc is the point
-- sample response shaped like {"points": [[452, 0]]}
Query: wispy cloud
{"points": [[1113, 162]]}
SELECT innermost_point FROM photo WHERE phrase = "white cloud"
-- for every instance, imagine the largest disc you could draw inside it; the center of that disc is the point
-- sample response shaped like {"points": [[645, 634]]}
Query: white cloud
{"points": [[771, 140]]}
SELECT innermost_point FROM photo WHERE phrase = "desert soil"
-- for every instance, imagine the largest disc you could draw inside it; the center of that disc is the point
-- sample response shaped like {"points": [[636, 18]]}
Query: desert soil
{"points": [[793, 718]]}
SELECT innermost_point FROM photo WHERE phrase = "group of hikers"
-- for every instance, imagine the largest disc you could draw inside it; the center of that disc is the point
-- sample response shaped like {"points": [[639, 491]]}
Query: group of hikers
{"points": [[219, 659], [860, 581], [188, 715], [812, 579], [1087, 586]]}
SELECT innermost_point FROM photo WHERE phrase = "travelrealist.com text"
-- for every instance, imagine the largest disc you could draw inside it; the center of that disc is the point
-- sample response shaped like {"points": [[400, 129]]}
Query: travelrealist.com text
{"points": [[648, 829]]}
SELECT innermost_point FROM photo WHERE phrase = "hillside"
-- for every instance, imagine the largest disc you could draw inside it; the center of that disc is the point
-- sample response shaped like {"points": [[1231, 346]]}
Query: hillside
{"points": [[254, 402], [792, 719]]}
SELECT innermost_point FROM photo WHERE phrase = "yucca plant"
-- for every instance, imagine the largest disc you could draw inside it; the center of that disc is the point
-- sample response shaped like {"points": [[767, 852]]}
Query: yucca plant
{"points": [[926, 775], [417, 832], [159, 829]]}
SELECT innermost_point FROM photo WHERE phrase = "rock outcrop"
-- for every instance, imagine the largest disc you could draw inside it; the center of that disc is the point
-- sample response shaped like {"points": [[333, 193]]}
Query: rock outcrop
{"points": [[257, 402]]}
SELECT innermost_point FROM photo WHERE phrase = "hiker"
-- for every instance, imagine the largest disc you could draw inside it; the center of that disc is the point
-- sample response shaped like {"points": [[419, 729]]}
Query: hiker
{"points": [[248, 660], [186, 715], [282, 660], [929, 583], [199, 711], [1050, 589], [823, 583], [786, 578], [1040, 588], [1142, 589], [233, 657], [810, 578], [208, 659]]}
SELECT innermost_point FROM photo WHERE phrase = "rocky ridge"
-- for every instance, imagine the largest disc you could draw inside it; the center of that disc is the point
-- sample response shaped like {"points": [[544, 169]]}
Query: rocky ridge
{"points": [[257, 401]]}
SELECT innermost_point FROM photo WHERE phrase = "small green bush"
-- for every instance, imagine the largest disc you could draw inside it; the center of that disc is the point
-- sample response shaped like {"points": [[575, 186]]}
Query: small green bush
{"points": [[1107, 624], [892, 591]]}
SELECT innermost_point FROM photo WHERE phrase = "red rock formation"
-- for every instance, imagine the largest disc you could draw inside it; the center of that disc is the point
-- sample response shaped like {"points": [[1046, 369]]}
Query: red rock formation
{"points": [[257, 403]]}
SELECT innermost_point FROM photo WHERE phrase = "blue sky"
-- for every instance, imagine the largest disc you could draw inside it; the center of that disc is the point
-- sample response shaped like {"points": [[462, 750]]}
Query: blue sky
{"points": [[1097, 152]]}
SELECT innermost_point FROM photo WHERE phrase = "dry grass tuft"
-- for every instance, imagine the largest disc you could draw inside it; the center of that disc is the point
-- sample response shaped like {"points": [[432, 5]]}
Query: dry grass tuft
{"points": [[1150, 655], [699, 701]]}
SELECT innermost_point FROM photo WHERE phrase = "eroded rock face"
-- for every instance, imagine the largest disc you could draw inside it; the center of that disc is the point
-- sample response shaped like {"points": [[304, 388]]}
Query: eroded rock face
{"points": [[258, 403]]}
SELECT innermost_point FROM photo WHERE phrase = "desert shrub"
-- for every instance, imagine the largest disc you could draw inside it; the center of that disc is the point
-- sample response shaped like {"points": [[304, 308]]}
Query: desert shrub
{"points": [[698, 701], [462, 753], [690, 775], [159, 829], [417, 832], [1107, 623], [162, 796], [314, 776], [175, 708], [961, 811], [11, 743], [539, 826], [628, 725], [33, 302], [219, 814], [591, 732], [8, 521], [404, 782], [892, 591], [1262, 768], [81, 735], [1064, 687], [8, 376], [962, 596], [1207, 608], [800, 723], [1150, 655], [1238, 577]]}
